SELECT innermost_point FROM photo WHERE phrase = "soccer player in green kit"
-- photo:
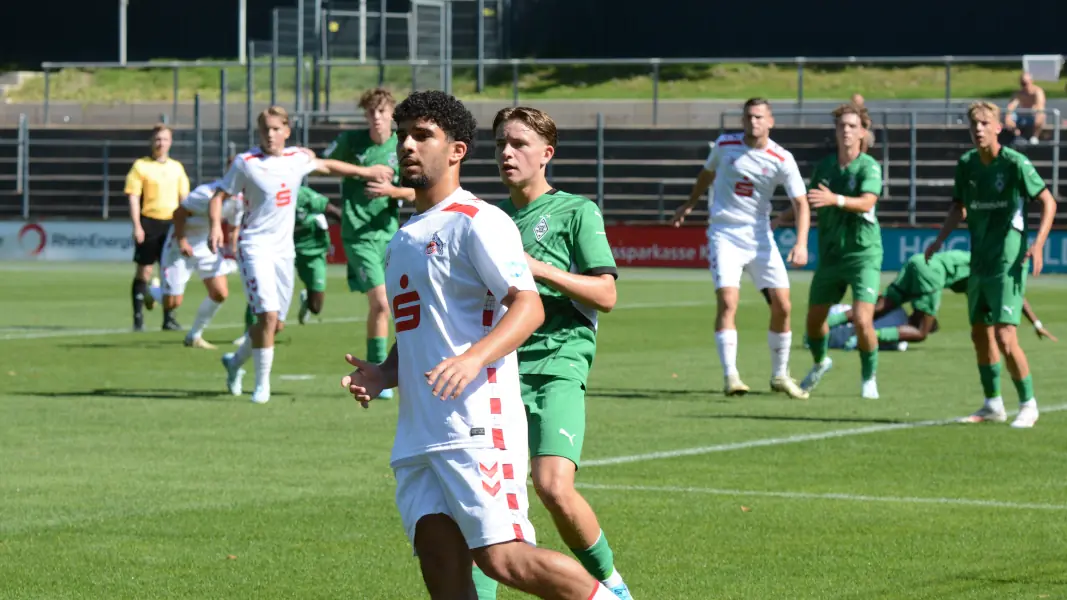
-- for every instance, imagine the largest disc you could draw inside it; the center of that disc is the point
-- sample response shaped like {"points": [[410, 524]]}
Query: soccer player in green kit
{"points": [[371, 211], [844, 190], [570, 258], [312, 240], [991, 185]]}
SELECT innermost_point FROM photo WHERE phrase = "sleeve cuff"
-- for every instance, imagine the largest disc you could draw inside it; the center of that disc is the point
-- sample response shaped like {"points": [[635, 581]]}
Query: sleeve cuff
{"points": [[602, 271]]}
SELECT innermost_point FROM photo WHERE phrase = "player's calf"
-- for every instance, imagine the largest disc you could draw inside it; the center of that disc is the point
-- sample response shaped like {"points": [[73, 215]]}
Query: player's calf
{"points": [[539, 572]]}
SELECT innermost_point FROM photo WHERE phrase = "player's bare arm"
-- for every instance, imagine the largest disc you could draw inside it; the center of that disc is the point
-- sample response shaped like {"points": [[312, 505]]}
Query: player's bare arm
{"points": [[368, 380], [952, 221], [383, 187], [215, 239], [594, 291], [1039, 327], [329, 166], [1048, 213], [1009, 122], [822, 196], [178, 222], [798, 255], [525, 314], [703, 182]]}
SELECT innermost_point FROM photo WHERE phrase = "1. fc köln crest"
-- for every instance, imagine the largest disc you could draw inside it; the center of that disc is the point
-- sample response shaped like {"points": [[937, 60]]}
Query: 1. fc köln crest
{"points": [[541, 229]]}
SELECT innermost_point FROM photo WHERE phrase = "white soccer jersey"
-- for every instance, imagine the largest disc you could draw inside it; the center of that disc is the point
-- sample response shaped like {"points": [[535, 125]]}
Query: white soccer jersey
{"points": [[444, 271], [270, 185], [197, 223], [745, 180]]}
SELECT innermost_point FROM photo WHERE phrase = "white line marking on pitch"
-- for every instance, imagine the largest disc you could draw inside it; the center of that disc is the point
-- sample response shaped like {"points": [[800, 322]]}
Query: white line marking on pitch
{"points": [[296, 377], [815, 496], [792, 439]]}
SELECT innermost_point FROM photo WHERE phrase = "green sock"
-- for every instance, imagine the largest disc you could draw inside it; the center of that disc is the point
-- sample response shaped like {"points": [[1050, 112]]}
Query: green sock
{"points": [[250, 317], [819, 348], [888, 334], [837, 319], [484, 585], [990, 376], [376, 350], [868, 363], [597, 559], [1025, 387]]}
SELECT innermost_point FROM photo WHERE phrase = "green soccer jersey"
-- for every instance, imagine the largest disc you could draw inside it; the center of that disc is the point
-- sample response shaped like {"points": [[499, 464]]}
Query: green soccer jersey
{"points": [[955, 267], [994, 196], [366, 218], [847, 237], [567, 232], [308, 237]]}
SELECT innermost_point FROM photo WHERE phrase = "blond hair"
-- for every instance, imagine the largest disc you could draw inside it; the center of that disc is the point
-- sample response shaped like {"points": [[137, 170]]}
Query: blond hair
{"points": [[273, 111], [983, 106], [851, 108], [376, 97], [535, 119]]}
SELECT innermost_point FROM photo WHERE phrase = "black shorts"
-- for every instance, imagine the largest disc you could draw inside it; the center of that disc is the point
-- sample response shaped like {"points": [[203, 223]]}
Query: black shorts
{"points": [[150, 250]]}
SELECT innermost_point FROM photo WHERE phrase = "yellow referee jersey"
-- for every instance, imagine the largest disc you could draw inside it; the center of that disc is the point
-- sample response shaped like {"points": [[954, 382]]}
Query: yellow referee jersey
{"points": [[161, 186]]}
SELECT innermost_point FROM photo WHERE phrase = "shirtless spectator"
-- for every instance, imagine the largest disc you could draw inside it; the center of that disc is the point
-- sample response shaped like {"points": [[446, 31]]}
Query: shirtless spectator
{"points": [[1030, 98]]}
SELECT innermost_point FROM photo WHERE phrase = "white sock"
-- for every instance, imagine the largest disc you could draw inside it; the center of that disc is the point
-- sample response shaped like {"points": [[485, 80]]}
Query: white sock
{"points": [[726, 341], [1031, 403], [779, 344], [204, 314], [614, 580], [240, 357], [602, 593], [996, 404], [263, 359]]}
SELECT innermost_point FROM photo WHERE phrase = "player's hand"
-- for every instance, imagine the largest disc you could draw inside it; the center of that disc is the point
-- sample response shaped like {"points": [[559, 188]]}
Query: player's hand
{"points": [[680, 214], [365, 383], [798, 256], [138, 235], [1044, 333], [183, 245], [380, 173], [215, 239], [821, 196], [537, 268], [932, 249], [1034, 253], [377, 188], [452, 375]]}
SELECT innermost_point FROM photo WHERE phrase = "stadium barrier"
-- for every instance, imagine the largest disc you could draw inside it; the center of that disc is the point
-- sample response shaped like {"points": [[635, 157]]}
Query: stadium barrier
{"points": [[633, 246]]}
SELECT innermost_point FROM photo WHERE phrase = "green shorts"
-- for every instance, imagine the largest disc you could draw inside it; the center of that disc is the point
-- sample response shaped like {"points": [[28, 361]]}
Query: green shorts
{"points": [[830, 282], [997, 300], [918, 284], [366, 264], [555, 415], [312, 271]]}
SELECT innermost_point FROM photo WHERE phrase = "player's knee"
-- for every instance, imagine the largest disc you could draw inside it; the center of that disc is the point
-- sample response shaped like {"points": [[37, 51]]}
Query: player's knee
{"points": [[863, 322], [1006, 339], [171, 302], [979, 337], [501, 562], [780, 307], [553, 490], [218, 296], [315, 302]]}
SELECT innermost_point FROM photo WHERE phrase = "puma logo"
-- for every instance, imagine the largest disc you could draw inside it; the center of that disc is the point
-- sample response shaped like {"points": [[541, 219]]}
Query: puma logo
{"points": [[569, 436]]}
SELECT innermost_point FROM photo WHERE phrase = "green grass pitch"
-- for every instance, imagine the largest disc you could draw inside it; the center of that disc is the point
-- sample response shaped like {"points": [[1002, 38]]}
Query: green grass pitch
{"points": [[127, 472]]}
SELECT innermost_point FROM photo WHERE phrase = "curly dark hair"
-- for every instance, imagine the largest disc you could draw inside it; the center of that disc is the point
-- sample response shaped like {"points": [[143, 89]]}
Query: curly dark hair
{"points": [[445, 111]]}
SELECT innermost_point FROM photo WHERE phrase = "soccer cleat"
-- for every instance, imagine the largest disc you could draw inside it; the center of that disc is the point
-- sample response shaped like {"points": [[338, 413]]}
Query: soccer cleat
{"points": [[241, 340], [138, 322], [986, 414], [786, 385], [816, 374], [870, 389], [1027, 416], [302, 316], [851, 343], [733, 386], [622, 592], [385, 395], [261, 395], [171, 324], [234, 374], [199, 342]]}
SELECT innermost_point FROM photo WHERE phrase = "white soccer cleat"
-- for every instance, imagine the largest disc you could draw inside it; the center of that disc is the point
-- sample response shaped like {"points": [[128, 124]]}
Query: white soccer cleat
{"points": [[305, 310], [986, 414], [241, 340], [261, 395], [816, 374], [733, 386], [199, 342], [234, 374], [870, 389], [786, 385], [1027, 415]]}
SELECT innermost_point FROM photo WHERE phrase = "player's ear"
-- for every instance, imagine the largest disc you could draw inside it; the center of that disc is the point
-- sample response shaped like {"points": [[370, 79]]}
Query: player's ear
{"points": [[550, 152], [458, 151]]}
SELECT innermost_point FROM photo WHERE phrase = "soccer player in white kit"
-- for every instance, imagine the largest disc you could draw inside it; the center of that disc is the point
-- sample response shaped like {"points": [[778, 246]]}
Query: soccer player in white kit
{"points": [[463, 299], [745, 170], [270, 177], [186, 251]]}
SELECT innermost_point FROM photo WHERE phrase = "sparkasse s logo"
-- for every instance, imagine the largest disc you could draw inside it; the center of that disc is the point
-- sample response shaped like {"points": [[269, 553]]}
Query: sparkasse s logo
{"points": [[32, 239]]}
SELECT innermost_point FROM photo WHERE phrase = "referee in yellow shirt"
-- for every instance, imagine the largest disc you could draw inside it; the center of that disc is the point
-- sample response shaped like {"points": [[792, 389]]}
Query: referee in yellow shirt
{"points": [[155, 185]]}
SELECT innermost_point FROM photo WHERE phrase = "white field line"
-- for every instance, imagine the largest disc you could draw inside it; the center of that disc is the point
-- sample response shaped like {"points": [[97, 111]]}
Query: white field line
{"points": [[815, 496], [26, 333], [779, 441]]}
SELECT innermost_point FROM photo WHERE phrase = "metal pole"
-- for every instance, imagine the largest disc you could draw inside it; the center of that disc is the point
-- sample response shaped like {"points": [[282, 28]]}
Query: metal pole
{"points": [[515, 83], [198, 141], [174, 94], [242, 31], [274, 60], [316, 55], [224, 116], [20, 156], [383, 33], [47, 95], [164, 119], [24, 124], [1056, 153], [299, 92], [948, 89], [123, 4], [885, 155], [250, 94], [362, 31], [481, 46], [600, 161], [800, 89], [655, 91], [448, 47], [912, 163], [106, 208]]}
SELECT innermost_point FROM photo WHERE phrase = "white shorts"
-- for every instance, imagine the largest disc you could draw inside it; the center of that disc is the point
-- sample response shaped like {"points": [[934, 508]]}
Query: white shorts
{"points": [[482, 490], [733, 249], [177, 269], [268, 281]]}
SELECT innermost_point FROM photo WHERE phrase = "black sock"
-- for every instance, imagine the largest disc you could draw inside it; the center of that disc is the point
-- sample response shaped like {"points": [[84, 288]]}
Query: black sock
{"points": [[167, 316], [138, 292]]}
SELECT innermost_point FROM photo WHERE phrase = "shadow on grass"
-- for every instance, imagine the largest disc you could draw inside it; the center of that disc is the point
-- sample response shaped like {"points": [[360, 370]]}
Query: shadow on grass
{"points": [[146, 394], [802, 419], [632, 393]]}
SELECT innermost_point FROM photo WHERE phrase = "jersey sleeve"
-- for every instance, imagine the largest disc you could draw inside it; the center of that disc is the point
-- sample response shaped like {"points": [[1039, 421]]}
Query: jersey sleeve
{"points": [[712, 164], [234, 181], [314, 202], [495, 248], [134, 180], [197, 202], [1031, 182], [871, 179], [338, 149], [592, 252], [306, 162], [790, 179], [959, 182]]}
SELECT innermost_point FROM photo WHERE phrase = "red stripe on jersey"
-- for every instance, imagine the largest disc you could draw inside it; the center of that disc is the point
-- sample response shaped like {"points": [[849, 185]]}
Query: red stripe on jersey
{"points": [[259, 156], [513, 502], [775, 154], [487, 318], [498, 439], [490, 372], [466, 209], [494, 406], [509, 471], [519, 536], [490, 472], [730, 143]]}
